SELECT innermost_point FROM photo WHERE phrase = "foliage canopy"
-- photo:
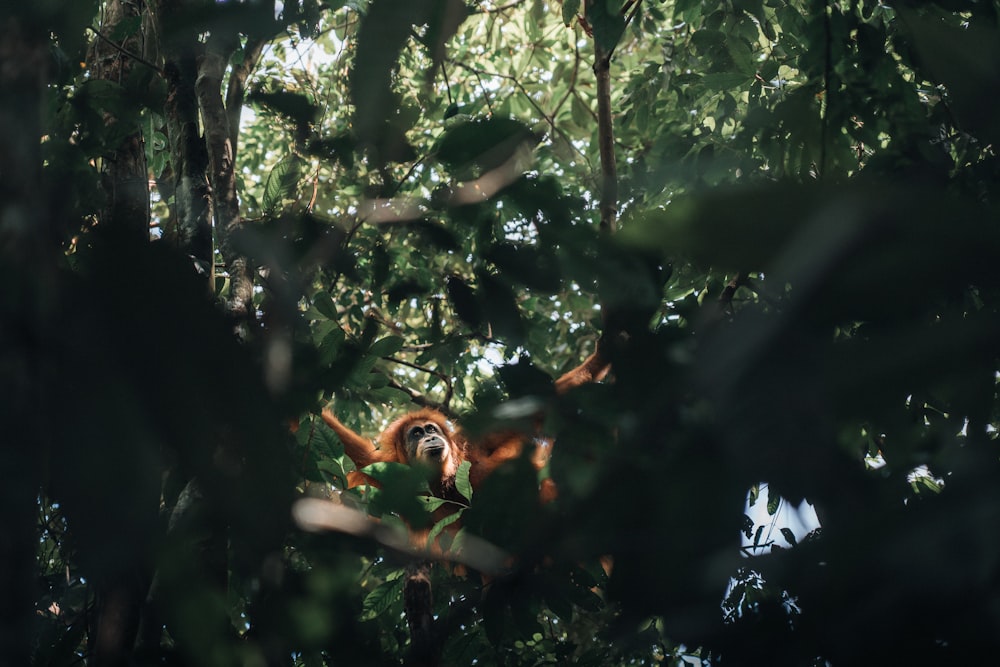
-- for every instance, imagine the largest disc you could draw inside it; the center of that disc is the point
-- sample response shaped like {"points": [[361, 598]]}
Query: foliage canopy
{"points": [[218, 217]]}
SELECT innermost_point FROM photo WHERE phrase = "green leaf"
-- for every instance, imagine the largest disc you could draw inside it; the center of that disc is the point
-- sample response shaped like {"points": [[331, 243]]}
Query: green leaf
{"points": [[476, 146], [324, 304], [296, 107], [401, 486], [462, 483], [965, 59], [463, 300], [386, 347], [686, 10], [570, 8], [527, 265], [382, 599], [789, 536], [385, 29], [773, 501], [340, 148], [388, 395], [608, 22], [500, 307], [432, 503], [440, 526], [725, 80], [282, 183]]}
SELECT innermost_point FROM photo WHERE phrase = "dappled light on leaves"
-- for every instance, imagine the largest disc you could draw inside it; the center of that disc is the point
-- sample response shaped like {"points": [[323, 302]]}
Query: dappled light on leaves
{"points": [[219, 219]]}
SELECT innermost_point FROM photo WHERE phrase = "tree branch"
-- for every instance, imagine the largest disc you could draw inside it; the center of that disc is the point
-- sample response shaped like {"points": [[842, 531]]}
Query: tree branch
{"points": [[497, 10], [738, 281], [125, 52], [238, 85], [606, 140], [419, 399], [222, 169]]}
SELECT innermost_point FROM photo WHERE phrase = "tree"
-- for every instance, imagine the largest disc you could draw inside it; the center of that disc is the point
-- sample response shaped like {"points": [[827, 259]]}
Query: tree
{"points": [[381, 204]]}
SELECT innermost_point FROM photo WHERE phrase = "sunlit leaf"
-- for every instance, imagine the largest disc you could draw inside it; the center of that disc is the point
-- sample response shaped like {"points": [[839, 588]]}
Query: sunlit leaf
{"points": [[382, 598], [462, 483], [282, 183]]}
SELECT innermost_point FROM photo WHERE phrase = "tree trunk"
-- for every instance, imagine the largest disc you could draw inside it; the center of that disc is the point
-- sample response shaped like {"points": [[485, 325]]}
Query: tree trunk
{"points": [[190, 225], [125, 179], [222, 169]]}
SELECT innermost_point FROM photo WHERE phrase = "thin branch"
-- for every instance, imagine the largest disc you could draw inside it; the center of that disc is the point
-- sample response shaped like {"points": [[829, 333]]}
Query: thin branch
{"points": [[738, 281], [406, 176], [486, 93], [447, 84], [124, 51], [497, 10], [222, 169], [236, 88], [571, 90], [520, 87], [421, 400], [423, 369], [635, 10]]}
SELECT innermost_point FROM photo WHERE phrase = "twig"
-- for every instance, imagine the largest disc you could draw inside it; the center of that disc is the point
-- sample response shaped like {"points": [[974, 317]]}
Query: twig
{"points": [[571, 90], [520, 87], [417, 367], [409, 172], [497, 10], [421, 400], [447, 84], [635, 10], [124, 51], [486, 93], [738, 281]]}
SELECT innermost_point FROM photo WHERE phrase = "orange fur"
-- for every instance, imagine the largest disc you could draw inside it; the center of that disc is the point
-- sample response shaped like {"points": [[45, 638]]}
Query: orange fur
{"points": [[485, 455]]}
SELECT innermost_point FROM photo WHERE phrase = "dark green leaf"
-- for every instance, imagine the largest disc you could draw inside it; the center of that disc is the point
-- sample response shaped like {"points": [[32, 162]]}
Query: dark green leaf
{"points": [[726, 80], [340, 148], [386, 347], [383, 598], [965, 59], [282, 183], [500, 308], [526, 265], [570, 8], [607, 20], [463, 300], [462, 483], [293, 106], [476, 146]]}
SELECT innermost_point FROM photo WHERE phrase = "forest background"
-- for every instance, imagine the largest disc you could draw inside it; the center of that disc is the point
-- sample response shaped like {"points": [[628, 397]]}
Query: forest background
{"points": [[216, 218]]}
